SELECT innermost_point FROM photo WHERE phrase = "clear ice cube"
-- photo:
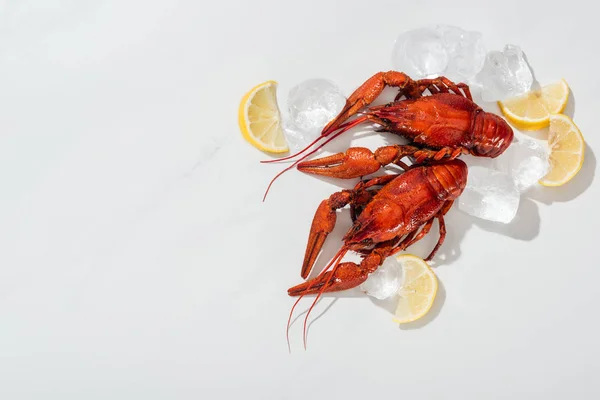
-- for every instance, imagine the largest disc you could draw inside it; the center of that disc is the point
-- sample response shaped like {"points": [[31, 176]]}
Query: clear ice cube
{"points": [[312, 104], [420, 53], [439, 50], [295, 138], [490, 194], [465, 50], [385, 281], [526, 161], [504, 74]]}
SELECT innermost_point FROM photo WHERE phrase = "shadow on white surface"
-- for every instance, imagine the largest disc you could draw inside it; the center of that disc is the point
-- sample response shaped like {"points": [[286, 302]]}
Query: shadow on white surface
{"points": [[525, 225], [390, 303], [571, 190], [302, 314], [570, 108], [308, 326]]}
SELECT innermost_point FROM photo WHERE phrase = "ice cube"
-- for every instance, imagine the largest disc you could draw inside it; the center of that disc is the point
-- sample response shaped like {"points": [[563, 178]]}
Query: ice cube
{"points": [[312, 104], [490, 194], [295, 138], [439, 50], [420, 53], [385, 281], [526, 161], [504, 74], [465, 50]]}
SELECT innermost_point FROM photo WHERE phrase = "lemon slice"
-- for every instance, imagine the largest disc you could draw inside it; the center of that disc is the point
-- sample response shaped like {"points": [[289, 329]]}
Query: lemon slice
{"points": [[418, 290], [566, 151], [532, 110], [260, 119]]}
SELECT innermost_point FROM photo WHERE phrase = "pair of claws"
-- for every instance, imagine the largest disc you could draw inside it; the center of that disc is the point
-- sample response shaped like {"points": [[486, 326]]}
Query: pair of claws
{"points": [[366, 237]]}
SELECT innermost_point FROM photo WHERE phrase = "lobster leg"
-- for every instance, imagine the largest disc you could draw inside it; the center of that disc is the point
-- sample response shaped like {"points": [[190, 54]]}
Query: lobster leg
{"points": [[449, 153], [442, 224], [367, 93], [438, 85], [422, 233], [407, 241], [411, 239], [359, 161], [462, 89]]}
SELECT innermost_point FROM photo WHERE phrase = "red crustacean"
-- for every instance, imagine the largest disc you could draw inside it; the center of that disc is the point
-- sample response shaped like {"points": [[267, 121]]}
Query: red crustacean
{"points": [[394, 211], [443, 125]]}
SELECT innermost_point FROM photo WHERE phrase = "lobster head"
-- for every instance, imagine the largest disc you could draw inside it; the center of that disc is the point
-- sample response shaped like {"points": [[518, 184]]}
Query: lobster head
{"points": [[495, 136]]}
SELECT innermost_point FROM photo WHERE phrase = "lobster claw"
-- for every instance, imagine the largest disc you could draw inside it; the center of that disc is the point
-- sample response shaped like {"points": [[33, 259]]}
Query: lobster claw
{"points": [[346, 276], [354, 163], [366, 94]]}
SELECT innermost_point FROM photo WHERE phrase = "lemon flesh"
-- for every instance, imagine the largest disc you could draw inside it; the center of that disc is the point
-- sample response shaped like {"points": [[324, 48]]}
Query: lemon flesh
{"points": [[260, 119], [418, 290], [532, 110], [567, 148]]}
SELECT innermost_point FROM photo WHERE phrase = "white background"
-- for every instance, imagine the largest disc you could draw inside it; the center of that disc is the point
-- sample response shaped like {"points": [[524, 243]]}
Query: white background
{"points": [[137, 260]]}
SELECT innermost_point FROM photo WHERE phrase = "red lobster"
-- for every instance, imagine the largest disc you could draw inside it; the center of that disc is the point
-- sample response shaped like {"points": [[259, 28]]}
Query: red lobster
{"points": [[443, 125], [390, 219]]}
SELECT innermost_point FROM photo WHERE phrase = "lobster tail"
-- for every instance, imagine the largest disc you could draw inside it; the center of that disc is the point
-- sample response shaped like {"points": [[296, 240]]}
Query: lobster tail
{"points": [[491, 135]]}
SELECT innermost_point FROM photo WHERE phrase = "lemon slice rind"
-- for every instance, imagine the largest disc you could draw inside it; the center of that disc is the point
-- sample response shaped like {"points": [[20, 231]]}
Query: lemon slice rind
{"points": [[259, 118], [567, 151], [418, 291], [532, 110]]}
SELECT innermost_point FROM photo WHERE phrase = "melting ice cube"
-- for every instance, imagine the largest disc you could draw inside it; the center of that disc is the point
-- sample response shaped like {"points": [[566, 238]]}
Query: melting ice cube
{"points": [[420, 53], [385, 281], [312, 104], [439, 50], [466, 52], [504, 74], [526, 161], [296, 138], [490, 195]]}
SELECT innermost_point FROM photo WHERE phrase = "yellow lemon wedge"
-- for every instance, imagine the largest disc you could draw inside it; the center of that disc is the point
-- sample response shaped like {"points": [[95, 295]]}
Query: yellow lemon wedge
{"points": [[532, 110], [260, 119], [566, 151], [418, 290]]}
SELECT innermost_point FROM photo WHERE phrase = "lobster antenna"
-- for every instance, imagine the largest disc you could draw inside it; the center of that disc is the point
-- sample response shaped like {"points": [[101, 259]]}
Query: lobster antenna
{"points": [[308, 146], [308, 313], [322, 136], [338, 258], [287, 332], [347, 127]]}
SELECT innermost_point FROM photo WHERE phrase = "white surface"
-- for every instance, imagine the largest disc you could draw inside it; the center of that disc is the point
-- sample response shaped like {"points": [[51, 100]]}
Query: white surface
{"points": [[138, 261]]}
